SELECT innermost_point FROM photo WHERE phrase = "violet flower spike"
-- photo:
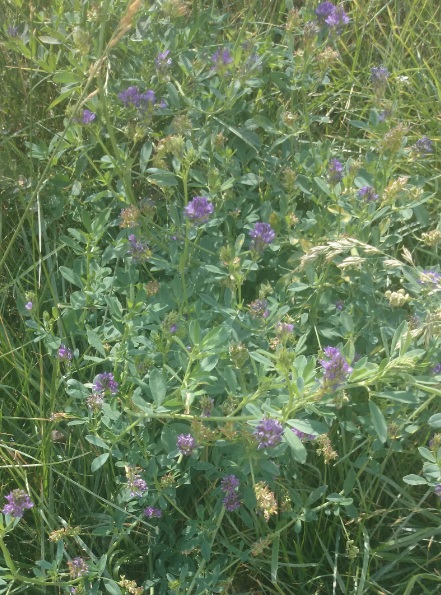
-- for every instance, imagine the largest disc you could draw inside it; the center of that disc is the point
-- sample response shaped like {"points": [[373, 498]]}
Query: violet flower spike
{"points": [[105, 382], [18, 502], [336, 368], [186, 444], [268, 432], [199, 210]]}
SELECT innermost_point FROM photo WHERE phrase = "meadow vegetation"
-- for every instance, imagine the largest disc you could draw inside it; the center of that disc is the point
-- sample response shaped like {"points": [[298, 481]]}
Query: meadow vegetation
{"points": [[220, 297]]}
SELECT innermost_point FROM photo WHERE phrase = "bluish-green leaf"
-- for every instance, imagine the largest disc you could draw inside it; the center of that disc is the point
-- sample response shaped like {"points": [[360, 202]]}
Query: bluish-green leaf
{"points": [[378, 421], [99, 462]]}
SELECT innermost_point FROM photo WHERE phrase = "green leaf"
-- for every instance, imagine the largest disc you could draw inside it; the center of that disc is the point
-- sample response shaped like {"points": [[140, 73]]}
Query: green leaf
{"points": [[66, 76], [298, 451], [275, 558], [112, 587], [435, 421], [414, 480], [99, 462], [401, 330], [70, 276], [215, 338], [157, 386], [96, 441], [323, 186], [96, 342], [378, 421]]}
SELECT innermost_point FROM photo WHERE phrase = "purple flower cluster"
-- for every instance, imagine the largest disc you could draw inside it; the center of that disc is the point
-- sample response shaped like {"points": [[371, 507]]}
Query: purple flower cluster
{"points": [[139, 249], [29, 306], [436, 369], [77, 567], [221, 58], [303, 435], [105, 382], [379, 76], [12, 31], [336, 368], [423, 146], [262, 235], [229, 485], [367, 193], [437, 490], [339, 305], [65, 354], [87, 116], [132, 96], [95, 401], [135, 483], [429, 278], [152, 512], [332, 16], [162, 60], [18, 502], [186, 444], [199, 209], [268, 432], [259, 309], [284, 328], [335, 172]]}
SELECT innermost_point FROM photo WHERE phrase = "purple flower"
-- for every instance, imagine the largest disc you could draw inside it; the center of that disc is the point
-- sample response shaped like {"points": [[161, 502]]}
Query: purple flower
{"points": [[162, 61], [229, 483], [152, 512], [303, 435], [138, 249], [18, 502], [368, 193], [12, 31], [95, 401], [221, 58], [259, 309], [324, 10], [335, 172], [437, 490], [436, 369], [284, 328], [262, 234], [105, 382], [423, 146], [173, 328], [186, 444], [135, 483], [207, 405], [231, 501], [336, 368], [337, 18], [65, 354], [87, 116], [132, 96], [77, 567], [268, 432], [379, 76], [199, 209], [339, 305], [429, 278], [29, 306]]}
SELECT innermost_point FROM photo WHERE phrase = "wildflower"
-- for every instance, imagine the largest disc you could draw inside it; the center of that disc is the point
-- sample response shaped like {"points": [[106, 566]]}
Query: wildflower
{"points": [[18, 502], [29, 305], [325, 448], [95, 401], [324, 10], [65, 354], [437, 490], [397, 299], [221, 58], [132, 96], [429, 278], [436, 369], [262, 235], [393, 140], [138, 249], [229, 483], [162, 60], [77, 568], [173, 328], [284, 328], [199, 209], [68, 531], [130, 586], [339, 305], [130, 217], [335, 172], [303, 435], [12, 31], [337, 18], [431, 238], [152, 512], [379, 76], [207, 404], [435, 442], [266, 500], [423, 146], [135, 483], [152, 288], [231, 501], [87, 117], [268, 432], [186, 444], [336, 368], [368, 193], [105, 382], [259, 309]]}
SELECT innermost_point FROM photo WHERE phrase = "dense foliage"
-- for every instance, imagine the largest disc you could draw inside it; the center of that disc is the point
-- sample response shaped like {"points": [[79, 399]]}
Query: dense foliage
{"points": [[220, 297]]}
